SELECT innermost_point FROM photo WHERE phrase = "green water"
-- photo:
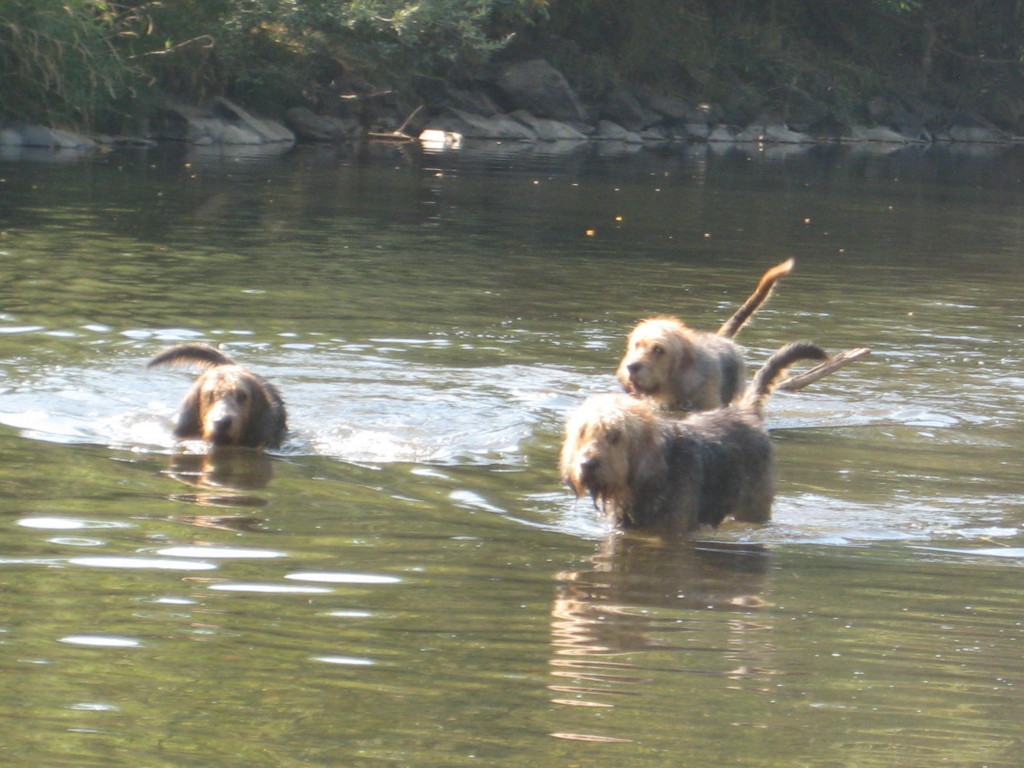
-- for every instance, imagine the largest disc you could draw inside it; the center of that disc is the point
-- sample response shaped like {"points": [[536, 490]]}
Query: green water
{"points": [[405, 582]]}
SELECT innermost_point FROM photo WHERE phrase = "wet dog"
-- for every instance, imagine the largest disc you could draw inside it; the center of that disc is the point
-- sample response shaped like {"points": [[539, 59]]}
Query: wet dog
{"points": [[228, 404], [679, 368], [647, 470]]}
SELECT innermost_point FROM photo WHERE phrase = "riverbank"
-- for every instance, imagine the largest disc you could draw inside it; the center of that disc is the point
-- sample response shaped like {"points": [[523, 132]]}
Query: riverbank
{"points": [[532, 101]]}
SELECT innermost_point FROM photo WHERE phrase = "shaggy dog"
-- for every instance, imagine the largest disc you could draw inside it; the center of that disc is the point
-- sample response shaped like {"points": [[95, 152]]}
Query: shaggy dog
{"points": [[679, 368], [228, 404], [646, 470]]}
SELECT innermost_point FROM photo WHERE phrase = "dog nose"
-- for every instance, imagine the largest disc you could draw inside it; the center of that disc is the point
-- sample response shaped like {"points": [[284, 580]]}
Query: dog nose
{"points": [[633, 367], [222, 426], [588, 469]]}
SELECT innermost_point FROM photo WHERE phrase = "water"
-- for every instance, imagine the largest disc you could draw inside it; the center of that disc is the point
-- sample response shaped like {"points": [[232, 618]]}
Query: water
{"points": [[406, 582]]}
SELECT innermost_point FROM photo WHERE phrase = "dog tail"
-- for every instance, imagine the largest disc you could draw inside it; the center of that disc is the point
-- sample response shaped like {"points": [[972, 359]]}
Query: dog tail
{"points": [[760, 295], [202, 356], [764, 380]]}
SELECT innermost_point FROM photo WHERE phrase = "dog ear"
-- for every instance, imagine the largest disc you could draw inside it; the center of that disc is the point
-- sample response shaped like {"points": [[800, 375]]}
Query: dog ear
{"points": [[680, 372], [256, 426], [266, 423], [683, 355], [188, 415], [647, 464]]}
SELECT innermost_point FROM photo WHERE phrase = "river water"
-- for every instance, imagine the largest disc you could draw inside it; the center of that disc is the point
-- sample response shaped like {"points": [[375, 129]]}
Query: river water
{"points": [[406, 582]]}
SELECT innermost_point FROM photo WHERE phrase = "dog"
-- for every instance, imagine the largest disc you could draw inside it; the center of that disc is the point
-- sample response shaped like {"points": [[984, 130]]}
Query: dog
{"points": [[228, 405], [679, 368], [647, 470]]}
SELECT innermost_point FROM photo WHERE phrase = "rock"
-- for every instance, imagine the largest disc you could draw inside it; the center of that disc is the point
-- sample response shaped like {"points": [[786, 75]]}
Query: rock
{"points": [[313, 127], [238, 134], [137, 142], [971, 128], [722, 133], [798, 109], [548, 130], [891, 111], [53, 138], [977, 133], [696, 131], [609, 131], [472, 126], [655, 133], [672, 109], [829, 129], [539, 88], [269, 131], [769, 131], [622, 107], [170, 123], [223, 123], [11, 138], [878, 133], [437, 92]]}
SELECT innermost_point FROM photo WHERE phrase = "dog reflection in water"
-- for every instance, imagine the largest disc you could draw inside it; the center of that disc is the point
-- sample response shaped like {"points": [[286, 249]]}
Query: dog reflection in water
{"points": [[611, 605], [647, 470], [701, 606], [230, 469], [223, 478], [228, 404]]}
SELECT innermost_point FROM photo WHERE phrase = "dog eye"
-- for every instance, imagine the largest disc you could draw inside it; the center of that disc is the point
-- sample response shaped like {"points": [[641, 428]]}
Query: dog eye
{"points": [[242, 397], [614, 436], [657, 350]]}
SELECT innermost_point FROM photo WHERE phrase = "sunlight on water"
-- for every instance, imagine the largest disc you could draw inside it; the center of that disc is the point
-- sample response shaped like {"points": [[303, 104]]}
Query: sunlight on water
{"points": [[345, 660], [67, 524], [217, 553], [101, 641], [142, 562]]}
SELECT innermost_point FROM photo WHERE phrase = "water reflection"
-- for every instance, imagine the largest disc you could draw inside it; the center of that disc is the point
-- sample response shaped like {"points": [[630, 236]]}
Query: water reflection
{"points": [[222, 475], [645, 595], [223, 467]]}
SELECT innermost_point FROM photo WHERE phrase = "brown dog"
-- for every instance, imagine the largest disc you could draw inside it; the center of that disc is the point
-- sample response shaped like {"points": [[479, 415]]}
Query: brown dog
{"points": [[228, 404], [646, 470], [679, 368]]}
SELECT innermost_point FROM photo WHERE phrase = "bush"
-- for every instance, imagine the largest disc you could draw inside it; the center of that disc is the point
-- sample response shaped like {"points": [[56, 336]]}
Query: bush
{"points": [[274, 51], [59, 63]]}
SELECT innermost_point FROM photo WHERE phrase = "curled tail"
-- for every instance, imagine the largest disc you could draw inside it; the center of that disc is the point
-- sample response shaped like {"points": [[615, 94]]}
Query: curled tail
{"points": [[202, 356], [760, 295], [764, 380]]}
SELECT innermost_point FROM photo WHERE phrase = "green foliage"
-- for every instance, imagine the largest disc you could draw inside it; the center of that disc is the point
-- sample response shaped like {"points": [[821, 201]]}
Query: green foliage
{"points": [[74, 61], [276, 50], [78, 62], [59, 63], [842, 52]]}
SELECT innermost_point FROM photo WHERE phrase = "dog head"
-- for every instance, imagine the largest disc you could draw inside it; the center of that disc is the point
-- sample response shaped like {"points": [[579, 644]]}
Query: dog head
{"points": [[227, 405], [656, 351], [613, 446]]}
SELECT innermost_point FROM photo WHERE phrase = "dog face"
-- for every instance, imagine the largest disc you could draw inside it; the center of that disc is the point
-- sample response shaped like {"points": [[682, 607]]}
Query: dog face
{"points": [[612, 442], [656, 351], [226, 396], [229, 405]]}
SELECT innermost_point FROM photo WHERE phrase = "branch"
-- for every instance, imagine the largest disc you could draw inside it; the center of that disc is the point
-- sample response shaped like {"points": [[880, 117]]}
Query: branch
{"points": [[206, 41]]}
